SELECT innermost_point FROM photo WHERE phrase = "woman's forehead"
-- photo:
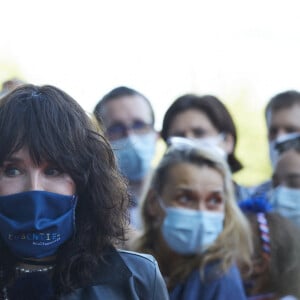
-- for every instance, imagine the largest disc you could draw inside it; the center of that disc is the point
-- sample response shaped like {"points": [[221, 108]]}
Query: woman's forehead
{"points": [[193, 175], [23, 154]]}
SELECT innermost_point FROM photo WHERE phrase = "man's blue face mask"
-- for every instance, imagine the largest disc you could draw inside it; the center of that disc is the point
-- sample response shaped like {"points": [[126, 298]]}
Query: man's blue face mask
{"points": [[286, 201], [34, 224], [135, 154]]}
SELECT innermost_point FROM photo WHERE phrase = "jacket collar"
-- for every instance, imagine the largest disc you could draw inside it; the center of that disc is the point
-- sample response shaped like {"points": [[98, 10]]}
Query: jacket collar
{"points": [[111, 268]]}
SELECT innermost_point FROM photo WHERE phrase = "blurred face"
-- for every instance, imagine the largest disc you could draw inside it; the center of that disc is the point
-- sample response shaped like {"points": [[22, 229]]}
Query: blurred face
{"points": [[19, 174], [283, 121], [194, 187], [127, 115], [194, 124], [287, 171]]}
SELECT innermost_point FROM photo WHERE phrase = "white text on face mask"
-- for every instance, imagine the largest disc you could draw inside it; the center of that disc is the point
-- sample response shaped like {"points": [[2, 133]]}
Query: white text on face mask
{"points": [[35, 236]]}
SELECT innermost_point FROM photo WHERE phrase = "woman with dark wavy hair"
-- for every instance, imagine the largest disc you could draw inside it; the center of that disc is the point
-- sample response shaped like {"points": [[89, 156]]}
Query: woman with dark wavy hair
{"points": [[204, 118], [63, 205]]}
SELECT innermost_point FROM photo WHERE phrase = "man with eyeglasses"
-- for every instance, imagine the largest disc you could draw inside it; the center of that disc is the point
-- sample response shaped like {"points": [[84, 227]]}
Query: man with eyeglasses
{"points": [[283, 123], [128, 119]]}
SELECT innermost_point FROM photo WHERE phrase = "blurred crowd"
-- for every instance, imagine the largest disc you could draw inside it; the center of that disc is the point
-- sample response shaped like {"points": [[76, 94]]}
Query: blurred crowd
{"points": [[212, 238]]}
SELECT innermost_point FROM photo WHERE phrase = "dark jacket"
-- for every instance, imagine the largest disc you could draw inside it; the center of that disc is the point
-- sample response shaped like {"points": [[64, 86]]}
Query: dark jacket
{"points": [[124, 275]]}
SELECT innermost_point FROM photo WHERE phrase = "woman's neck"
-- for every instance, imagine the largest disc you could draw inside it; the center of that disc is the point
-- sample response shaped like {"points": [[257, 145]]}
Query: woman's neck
{"points": [[167, 259], [38, 261], [35, 264]]}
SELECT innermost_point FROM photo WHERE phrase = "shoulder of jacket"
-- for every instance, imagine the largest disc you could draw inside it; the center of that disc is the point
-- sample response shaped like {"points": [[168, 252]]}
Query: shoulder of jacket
{"points": [[139, 257], [148, 282]]}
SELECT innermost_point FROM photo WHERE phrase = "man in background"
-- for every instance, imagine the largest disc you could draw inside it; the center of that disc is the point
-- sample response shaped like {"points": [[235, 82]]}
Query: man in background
{"points": [[283, 122], [128, 119]]}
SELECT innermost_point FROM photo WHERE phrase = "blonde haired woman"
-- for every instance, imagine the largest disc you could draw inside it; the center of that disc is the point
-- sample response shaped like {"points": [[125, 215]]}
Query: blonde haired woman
{"points": [[193, 226]]}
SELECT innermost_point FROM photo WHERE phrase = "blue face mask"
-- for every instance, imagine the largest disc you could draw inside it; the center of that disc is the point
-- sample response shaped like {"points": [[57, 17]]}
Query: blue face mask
{"points": [[134, 154], [189, 231], [286, 201], [34, 224]]}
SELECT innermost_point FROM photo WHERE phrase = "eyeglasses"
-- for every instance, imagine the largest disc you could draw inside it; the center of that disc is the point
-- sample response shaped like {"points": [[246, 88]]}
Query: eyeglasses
{"points": [[288, 141], [120, 130]]}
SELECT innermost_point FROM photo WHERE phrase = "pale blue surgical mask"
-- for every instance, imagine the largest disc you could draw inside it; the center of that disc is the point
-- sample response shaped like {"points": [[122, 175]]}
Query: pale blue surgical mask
{"points": [[210, 143], [135, 154], [189, 231], [286, 201]]}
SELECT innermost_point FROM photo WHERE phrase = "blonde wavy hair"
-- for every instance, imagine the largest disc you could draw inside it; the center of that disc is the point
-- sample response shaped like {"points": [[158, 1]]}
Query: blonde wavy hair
{"points": [[234, 244]]}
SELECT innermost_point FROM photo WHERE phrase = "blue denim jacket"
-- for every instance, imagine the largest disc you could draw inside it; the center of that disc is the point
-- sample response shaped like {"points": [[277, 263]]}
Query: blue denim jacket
{"points": [[125, 275], [216, 286]]}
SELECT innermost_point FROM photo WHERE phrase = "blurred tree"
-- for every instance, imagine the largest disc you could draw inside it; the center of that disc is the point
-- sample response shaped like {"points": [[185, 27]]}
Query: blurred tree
{"points": [[8, 70], [252, 146]]}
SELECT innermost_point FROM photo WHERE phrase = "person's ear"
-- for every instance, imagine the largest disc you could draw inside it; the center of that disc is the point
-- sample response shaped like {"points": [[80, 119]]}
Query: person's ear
{"points": [[228, 143], [153, 208], [152, 204]]}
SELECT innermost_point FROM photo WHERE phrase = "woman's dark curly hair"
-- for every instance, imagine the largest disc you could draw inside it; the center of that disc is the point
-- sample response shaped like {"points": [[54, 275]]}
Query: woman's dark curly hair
{"points": [[55, 128]]}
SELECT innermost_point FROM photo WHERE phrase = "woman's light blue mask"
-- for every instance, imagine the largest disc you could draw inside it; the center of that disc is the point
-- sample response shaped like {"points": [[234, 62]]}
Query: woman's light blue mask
{"points": [[34, 224], [286, 201], [135, 154], [189, 231]]}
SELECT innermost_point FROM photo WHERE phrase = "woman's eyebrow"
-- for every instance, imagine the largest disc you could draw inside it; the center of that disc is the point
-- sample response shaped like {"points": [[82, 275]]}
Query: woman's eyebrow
{"points": [[217, 191], [184, 189], [13, 159], [192, 190]]}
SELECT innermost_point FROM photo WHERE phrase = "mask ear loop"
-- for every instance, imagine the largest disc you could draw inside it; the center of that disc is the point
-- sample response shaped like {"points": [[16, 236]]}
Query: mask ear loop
{"points": [[264, 235], [182, 143]]}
